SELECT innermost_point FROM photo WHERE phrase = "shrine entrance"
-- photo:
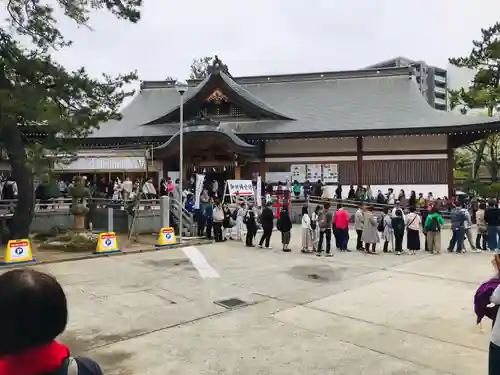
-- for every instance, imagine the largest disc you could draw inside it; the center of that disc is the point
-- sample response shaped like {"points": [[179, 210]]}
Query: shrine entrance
{"points": [[209, 149]]}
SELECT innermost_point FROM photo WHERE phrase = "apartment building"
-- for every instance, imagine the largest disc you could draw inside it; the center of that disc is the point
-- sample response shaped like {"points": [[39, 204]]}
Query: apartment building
{"points": [[431, 79]]}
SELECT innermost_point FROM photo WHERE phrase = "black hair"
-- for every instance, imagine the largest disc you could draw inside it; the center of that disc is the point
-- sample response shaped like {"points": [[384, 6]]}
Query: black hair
{"points": [[326, 205], [482, 206], [386, 210], [413, 208], [33, 309], [304, 210]]}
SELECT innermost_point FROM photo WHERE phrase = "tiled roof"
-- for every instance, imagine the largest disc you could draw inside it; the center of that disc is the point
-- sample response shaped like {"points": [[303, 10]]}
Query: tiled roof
{"points": [[351, 102]]}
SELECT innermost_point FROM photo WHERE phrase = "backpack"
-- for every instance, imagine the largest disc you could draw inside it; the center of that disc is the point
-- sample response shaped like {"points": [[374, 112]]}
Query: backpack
{"points": [[398, 224], [381, 225], [78, 366], [482, 296], [8, 191], [235, 213], [323, 224], [434, 225]]}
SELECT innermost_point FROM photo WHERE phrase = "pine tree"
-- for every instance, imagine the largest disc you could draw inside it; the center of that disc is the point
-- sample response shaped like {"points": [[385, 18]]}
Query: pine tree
{"points": [[38, 95], [483, 92]]}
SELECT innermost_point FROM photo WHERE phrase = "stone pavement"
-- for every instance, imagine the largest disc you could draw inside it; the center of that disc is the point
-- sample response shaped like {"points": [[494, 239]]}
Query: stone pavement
{"points": [[154, 313]]}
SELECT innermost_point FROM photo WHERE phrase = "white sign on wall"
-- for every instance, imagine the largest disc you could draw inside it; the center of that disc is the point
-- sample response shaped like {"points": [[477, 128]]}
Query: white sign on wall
{"points": [[298, 172], [314, 172], [330, 173]]}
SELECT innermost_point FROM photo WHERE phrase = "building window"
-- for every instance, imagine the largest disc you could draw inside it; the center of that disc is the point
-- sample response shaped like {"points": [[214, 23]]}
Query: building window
{"points": [[440, 95]]}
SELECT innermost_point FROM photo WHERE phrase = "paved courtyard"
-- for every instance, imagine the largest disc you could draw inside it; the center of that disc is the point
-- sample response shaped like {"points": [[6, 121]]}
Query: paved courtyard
{"points": [[154, 313]]}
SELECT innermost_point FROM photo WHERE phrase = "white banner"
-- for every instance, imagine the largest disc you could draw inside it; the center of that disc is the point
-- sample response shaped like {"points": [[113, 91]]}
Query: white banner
{"points": [[314, 172], [330, 173], [298, 172], [200, 178], [243, 187], [258, 192]]}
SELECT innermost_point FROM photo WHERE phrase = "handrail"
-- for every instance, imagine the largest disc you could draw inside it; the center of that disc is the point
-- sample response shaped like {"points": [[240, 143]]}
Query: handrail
{"points": [[356, 204]]}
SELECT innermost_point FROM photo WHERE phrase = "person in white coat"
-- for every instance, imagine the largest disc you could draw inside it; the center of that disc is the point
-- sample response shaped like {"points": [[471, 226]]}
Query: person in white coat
{"points": [[240, 225], [306, 231], [315, 227]]}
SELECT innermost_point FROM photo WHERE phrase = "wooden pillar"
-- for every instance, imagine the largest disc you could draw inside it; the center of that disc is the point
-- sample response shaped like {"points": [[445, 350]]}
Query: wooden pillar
{"points": [[262, 169], [237, 172], [359, 156], [451, 165]]}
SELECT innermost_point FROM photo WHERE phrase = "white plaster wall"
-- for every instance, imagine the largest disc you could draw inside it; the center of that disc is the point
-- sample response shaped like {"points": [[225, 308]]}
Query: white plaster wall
{"points": [[409, 143], [326, 145]]}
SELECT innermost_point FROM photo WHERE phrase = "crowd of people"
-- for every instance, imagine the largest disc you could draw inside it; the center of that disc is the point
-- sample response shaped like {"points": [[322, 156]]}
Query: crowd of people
{"points": [[395, 229]]}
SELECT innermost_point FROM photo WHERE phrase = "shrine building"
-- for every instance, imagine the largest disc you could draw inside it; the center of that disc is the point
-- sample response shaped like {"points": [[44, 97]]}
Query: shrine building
{"points": [[359, 127]]}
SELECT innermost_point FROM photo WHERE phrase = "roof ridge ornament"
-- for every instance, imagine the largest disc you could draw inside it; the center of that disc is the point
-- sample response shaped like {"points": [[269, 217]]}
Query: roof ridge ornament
{"points": [[218, 66]]}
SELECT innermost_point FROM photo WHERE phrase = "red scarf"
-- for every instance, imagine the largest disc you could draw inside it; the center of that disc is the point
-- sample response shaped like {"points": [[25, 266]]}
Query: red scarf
{"points": [[34, 361]]}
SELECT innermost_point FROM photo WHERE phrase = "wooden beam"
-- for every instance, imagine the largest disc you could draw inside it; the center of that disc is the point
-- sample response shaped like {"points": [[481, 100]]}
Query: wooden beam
{"points": [[451, 165], [359, 156]]}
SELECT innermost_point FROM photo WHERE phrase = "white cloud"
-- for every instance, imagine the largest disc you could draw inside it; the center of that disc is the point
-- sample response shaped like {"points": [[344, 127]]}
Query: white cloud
{"points": [[276, 36]]}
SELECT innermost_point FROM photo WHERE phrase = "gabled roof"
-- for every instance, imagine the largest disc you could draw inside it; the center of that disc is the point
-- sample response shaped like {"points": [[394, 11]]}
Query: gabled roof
{"points": [[236, 93], [346, 103]]}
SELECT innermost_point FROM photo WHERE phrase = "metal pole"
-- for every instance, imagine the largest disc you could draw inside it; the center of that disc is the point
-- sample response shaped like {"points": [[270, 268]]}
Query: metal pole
{"points": [[110, 219], [181, 162]]}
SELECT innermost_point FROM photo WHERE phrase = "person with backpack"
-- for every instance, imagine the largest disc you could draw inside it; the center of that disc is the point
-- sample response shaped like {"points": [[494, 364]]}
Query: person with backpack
{"points": [[9, 191], [458, 219], [325, 221], [398, 227], [433, 224], [35, 307]]}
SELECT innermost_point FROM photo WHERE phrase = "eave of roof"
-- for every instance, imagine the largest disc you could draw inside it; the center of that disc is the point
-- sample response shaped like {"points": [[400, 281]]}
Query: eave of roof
{"points": [[208, 130]]}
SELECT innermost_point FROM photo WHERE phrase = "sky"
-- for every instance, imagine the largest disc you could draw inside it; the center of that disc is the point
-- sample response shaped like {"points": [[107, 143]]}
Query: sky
{"points": [[275, 36]]}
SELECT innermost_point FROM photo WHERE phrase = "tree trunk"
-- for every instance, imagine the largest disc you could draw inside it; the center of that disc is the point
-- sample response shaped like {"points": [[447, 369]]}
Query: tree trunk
{"points": [[12, 140], [479, 157]]}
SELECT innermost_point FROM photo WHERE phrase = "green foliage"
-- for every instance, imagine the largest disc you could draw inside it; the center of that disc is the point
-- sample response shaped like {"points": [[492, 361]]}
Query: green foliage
{"points": [[199, 67], [463, 158], [484, 59], [38, 95], [484, 92]]}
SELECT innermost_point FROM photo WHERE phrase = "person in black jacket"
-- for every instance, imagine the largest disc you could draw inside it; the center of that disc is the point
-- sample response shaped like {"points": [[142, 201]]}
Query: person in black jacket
{"points": [[267, 222], [251, 223], [284, 225]]}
